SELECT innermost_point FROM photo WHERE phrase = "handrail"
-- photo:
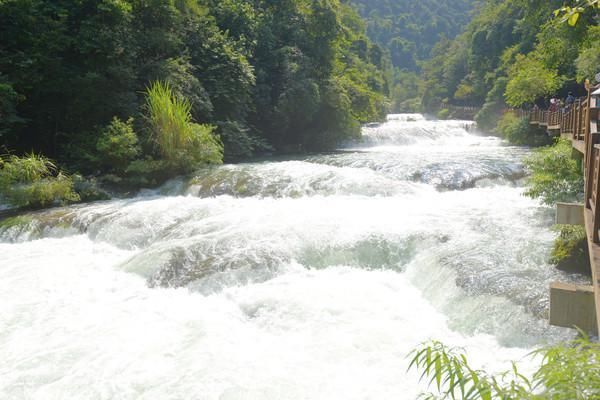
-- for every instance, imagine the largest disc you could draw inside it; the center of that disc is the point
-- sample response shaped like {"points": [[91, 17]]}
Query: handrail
{"points": [[576, 123]]}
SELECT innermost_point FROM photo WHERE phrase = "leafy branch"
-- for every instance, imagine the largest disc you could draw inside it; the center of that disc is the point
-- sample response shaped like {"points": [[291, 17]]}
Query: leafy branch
{"points": [[571, 14], [569, 371]]}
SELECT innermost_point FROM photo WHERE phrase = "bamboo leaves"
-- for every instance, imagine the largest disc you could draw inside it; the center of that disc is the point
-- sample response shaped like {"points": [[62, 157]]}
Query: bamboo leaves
{"points": [[569, 371]]}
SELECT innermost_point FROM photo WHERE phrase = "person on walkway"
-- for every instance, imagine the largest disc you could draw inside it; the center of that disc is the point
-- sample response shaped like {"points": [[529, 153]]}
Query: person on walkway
{"points": [[569, 100], [553, 105]]}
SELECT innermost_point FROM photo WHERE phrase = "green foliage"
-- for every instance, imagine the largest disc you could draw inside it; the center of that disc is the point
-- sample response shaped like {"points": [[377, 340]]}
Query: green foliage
{"points": [[180, 142], [409, 30], [406, 91], [529, 79], [238, 142], [146, 172], [588, 61], [8, 109], [514, 40], [518, 131], [571, 15], [492, 110], [169, 118], [267, 70], [34, 181], [555, 176], [118, 145], [488, 116], [570, 251], [408, 106], [513, 128], [567, 372], [444, 113]]}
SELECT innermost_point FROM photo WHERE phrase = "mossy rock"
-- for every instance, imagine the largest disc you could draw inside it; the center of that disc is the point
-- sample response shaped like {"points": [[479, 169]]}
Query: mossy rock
{"points": [[15, 222], [570, 252]]}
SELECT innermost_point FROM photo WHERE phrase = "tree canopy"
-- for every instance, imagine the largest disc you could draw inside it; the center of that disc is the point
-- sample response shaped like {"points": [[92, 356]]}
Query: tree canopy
{"points": [[286, 74], [514, 52]]}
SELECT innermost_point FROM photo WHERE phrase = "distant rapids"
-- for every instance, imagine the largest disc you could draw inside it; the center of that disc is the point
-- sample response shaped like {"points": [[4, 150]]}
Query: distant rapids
{"points": [[306, 278]]}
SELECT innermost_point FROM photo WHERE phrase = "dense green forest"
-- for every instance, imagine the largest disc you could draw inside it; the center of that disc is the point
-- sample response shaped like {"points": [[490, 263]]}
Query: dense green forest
{"points": [[141, 90], [285, 75], [512, 53], [409, 30]]}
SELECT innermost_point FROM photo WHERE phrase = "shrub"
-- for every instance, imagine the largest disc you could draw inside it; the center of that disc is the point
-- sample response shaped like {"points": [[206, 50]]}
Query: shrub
{"points": [[181, 142], [555, 176], [568, 371], [238, 142], [409, 106], [146, 172], [570, 252], [88, 189], [34, 181], [118, 145], [518, 131], [8, 110], [444, 113], [487, 118]]}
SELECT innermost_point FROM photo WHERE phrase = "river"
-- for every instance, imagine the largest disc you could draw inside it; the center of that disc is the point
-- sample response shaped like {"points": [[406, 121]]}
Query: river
{"points": [[304, 278]]}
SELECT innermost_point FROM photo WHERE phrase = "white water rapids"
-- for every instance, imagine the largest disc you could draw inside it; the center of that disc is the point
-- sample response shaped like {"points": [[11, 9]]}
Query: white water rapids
{"points": [[310, 278]]}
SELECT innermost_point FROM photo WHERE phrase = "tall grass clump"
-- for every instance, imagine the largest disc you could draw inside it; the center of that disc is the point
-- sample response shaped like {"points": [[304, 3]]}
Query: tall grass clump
{"points": [[33, 181], [179, 141]]}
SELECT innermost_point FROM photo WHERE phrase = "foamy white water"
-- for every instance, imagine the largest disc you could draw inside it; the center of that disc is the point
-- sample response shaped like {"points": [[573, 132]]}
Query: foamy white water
{"points": [[311, 278]]}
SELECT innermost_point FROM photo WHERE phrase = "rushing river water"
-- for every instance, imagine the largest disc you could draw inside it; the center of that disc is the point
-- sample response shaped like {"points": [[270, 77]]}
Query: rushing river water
{"points": [[310, 278]]}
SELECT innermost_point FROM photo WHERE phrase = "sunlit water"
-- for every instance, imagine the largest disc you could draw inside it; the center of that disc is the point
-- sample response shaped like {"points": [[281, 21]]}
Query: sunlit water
{"points": [[310, 278]]}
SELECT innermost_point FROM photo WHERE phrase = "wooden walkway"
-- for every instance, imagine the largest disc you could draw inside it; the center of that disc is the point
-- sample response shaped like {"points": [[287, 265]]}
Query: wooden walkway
{"points": [[580, 123]]}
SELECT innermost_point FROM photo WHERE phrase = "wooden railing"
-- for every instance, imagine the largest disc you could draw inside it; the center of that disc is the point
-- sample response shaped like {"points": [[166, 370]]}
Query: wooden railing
{"points": [[568, 120], [579, 122]]}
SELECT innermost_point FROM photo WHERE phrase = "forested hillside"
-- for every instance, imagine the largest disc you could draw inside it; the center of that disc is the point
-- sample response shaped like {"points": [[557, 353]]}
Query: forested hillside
{"points": [[513, 52], [409, 30], [283, 75]]}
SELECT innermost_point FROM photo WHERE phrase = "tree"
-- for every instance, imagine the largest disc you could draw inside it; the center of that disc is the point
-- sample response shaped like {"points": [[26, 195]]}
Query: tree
{"points": [[530, 79], [555, 176]]}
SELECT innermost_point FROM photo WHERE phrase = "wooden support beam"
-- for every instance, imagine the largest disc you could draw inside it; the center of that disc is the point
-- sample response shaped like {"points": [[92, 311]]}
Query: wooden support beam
{"points": [[569, 214], [593, 139], [572, 306], [579, 145]]}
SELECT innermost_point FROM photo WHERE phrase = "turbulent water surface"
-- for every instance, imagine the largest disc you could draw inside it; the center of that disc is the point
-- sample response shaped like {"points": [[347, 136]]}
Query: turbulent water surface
{"points": [[310, 278]]}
